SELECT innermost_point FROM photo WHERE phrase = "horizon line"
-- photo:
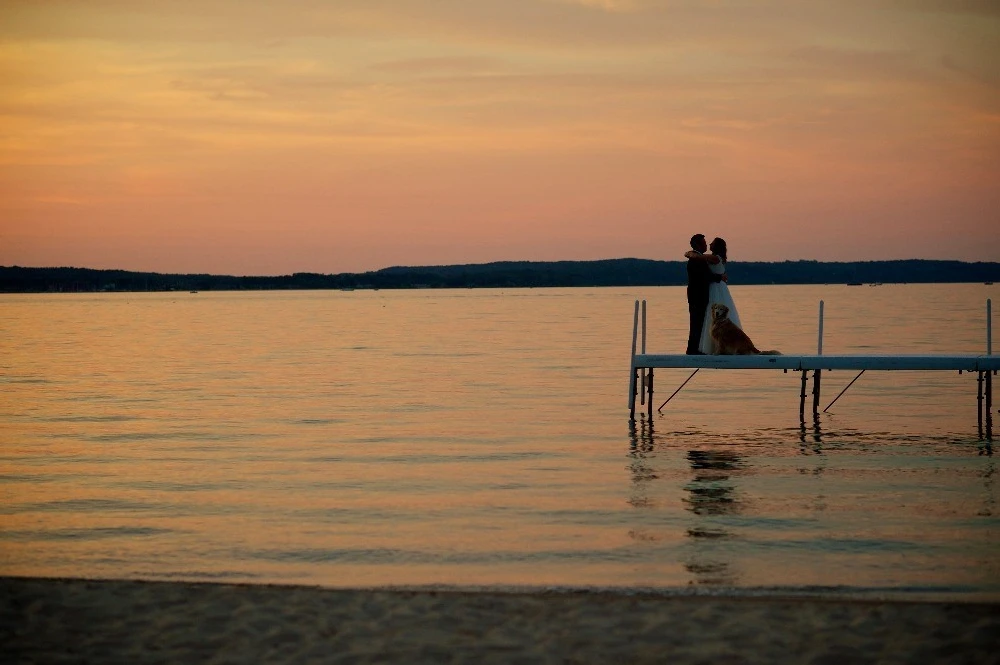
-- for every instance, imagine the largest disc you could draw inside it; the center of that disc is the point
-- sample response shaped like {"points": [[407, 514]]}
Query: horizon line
{"points": [[487, 263]]}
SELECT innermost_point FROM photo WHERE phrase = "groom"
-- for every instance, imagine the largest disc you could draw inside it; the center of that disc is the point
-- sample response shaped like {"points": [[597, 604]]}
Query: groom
{"points": [[699, 277]]}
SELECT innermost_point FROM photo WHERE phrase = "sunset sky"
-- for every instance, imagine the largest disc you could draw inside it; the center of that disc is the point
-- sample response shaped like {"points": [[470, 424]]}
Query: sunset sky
{"points": [[251, 137]]}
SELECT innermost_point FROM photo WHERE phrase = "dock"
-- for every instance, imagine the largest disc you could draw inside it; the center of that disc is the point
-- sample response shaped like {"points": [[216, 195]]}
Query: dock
{"points": [[643, 364]]}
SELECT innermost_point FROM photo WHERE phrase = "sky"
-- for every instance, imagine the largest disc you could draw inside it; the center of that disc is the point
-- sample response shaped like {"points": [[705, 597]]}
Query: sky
{"points": [[259, 138]]}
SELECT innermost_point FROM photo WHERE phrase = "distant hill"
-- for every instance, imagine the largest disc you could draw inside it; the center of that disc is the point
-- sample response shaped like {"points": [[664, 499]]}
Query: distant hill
{"points": [[505, 274]]}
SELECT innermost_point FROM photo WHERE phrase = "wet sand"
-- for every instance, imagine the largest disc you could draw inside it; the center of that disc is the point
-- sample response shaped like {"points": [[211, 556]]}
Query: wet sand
{"points": [[74, 621]]}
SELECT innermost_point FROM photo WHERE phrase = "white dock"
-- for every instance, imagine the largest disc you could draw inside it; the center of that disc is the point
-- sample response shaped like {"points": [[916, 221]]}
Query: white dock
{"points": [[964, 363], [642, 366]]}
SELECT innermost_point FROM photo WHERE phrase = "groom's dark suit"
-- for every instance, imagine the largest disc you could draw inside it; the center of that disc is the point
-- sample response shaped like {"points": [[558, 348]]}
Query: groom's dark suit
{"points": [[699, 277]]}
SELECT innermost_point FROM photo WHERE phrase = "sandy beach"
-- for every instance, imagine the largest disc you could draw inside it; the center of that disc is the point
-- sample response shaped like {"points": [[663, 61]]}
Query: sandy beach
{"points": [[72, 621]]}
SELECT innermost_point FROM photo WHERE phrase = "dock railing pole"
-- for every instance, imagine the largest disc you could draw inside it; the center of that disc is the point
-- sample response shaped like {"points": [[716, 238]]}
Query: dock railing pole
{"points": [[631, 370], [642, 387], [817, 372], [989, 327], [819, 343]]}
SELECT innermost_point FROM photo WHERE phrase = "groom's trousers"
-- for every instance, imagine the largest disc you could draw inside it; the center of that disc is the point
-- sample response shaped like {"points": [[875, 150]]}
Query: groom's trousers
{"points": [[696, 309]]}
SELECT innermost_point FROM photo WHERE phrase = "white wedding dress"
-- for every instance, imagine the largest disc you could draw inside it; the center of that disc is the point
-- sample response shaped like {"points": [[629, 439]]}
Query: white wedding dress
{"points": [[718, 292]]}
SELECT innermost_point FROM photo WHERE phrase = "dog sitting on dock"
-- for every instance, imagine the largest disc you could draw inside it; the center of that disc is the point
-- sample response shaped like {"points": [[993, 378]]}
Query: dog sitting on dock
{"points": [[729, 339]]}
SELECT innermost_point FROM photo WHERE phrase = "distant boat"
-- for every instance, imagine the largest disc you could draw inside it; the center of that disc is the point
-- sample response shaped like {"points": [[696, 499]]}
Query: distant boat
{"points": [[193, 292], [854, 283]]}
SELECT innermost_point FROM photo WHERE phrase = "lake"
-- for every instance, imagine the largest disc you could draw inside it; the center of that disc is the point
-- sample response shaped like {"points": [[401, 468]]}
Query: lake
{"points": [[481, 438]]}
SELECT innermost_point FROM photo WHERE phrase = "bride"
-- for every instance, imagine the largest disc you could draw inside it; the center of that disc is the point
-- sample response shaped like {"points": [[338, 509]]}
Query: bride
{"points": [[718, 292]]}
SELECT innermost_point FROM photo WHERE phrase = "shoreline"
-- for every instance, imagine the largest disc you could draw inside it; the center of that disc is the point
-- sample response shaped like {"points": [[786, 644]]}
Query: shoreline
{"points": [[70, 619], [617, 273]]}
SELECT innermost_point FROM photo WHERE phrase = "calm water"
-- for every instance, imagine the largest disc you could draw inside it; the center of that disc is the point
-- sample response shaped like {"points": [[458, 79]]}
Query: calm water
{"points": [[481, 437]]}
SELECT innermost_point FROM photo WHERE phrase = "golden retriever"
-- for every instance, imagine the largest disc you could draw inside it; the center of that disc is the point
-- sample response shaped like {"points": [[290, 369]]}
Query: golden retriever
{"points": [[729, 339]]}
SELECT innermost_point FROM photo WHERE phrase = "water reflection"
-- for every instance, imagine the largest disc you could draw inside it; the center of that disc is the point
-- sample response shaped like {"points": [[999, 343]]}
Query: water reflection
{"points": [[706, 501], [640, 449], [815, 433], [712, 493], [811, 445]]}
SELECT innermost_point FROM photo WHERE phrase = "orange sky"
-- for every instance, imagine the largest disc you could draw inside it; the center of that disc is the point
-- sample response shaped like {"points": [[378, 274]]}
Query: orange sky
{"points": [[252, 137]]}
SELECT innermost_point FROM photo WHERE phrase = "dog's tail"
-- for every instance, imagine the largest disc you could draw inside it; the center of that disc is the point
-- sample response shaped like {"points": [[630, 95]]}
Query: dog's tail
{"points": [[772, 352]]}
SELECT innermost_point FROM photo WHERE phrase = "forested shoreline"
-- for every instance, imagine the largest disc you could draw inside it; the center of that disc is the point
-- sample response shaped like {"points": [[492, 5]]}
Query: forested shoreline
{"points": [[504, 274]]}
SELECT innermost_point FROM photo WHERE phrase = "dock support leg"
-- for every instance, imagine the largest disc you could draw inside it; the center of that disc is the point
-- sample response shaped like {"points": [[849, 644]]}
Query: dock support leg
{"points": [[979, 402], [802, 397], [642, 386], [989, 405], [649, 388], [634, 386], [816, 384]]}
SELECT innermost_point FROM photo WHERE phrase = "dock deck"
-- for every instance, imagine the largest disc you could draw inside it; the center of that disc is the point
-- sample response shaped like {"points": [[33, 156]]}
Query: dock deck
{"points": [[959, 362]]}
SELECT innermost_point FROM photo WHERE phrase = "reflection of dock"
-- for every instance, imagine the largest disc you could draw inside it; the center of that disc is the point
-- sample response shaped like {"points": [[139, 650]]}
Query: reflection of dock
{"points": [[643, 364], [713, 494]]}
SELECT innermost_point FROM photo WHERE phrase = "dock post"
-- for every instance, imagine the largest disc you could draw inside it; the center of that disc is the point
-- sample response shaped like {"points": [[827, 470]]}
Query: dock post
{"points": [[989, 404], [642, 373], [817, 372], [649, 385], [802, 397], [631, 373], [979, 402]]}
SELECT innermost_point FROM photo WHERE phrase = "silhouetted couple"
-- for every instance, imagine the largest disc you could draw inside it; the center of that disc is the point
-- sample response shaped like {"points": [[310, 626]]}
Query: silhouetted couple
{"points": [[706, 286]]}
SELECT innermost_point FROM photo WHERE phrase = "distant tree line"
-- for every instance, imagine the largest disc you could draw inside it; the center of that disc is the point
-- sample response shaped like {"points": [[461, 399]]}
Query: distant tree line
{"points": [[504, 274]]}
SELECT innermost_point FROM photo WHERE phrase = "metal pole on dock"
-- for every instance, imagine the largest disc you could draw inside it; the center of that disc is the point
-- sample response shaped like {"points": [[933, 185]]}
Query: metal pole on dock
{"points": [[649, 385], [843, 391], [802, 397], [678, 389], [979, 401], [819, 343], [817, 372], [632, 370], [642, 388], [989, 405]]}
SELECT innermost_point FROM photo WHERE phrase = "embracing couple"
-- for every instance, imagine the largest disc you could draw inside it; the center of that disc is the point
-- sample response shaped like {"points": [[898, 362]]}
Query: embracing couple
{"points": [[715, 325]]}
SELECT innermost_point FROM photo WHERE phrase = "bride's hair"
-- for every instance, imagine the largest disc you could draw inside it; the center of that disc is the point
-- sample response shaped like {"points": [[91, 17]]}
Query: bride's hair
{"points": [[718, 248]]}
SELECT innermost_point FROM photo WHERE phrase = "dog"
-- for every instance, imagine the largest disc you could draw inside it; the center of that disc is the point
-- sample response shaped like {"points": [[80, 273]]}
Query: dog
{"points": [[729, 339]]}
